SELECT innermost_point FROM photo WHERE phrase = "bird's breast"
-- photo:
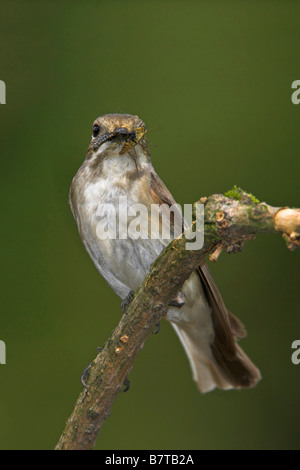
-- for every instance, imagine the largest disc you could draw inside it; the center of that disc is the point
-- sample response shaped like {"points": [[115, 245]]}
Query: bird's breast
{"points": [[101, 208]]}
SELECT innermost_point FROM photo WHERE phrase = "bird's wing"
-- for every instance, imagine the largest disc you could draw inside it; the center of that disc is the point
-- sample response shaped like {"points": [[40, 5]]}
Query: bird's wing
{"points": [[234, 364], [224, 327]]}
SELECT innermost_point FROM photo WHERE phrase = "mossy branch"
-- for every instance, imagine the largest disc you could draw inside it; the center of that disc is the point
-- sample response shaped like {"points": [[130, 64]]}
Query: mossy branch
{"points": [[229, 220]]}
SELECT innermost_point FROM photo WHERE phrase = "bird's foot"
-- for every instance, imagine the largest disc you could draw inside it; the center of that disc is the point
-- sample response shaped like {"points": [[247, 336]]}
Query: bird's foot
{"points": [[157, 329], [126, 386], [85, 374], [125, 302], [86, 371], [179, 300]]}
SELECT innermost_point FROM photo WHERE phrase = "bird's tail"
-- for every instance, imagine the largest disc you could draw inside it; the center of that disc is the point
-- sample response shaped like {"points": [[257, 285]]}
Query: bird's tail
{"points": [[211, 367]]}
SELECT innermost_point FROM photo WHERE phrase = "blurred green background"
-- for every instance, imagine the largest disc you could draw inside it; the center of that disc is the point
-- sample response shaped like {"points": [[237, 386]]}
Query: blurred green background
{"points": [[212, 80]]}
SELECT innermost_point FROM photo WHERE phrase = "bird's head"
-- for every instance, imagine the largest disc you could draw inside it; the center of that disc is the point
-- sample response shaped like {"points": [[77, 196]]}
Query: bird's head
{"points": [[117, 135]]}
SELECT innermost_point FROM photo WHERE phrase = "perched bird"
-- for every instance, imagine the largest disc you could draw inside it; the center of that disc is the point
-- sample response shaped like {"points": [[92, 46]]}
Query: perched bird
{"points": [[118, 167]]}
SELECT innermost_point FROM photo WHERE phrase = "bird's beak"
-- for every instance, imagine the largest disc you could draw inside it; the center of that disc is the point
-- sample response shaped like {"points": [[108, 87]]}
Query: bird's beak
{"points": [[132, 138], [103, 138]]}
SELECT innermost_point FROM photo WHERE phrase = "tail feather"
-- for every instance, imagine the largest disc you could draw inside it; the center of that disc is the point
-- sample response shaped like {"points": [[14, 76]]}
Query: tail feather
{"points": [[209, 332], [241, 372], [204, 370], [211, 368]]}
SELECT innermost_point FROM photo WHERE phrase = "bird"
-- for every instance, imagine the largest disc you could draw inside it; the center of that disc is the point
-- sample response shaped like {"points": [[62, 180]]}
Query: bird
{"points": [[118, 167]]}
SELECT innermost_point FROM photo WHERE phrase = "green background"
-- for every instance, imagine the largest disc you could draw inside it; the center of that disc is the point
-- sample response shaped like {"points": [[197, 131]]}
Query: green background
{"points": [[212, 80]]}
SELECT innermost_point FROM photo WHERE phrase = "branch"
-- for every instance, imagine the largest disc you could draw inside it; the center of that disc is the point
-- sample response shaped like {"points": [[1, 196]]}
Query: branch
{"points": [[229, 220]]}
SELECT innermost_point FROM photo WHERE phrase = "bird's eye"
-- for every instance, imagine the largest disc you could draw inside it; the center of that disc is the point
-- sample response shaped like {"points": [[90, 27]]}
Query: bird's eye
{"points": [[96, 130]]}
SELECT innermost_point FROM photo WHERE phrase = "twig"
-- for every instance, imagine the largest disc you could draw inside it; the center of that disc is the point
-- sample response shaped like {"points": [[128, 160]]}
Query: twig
{"points": [[229, 220]]}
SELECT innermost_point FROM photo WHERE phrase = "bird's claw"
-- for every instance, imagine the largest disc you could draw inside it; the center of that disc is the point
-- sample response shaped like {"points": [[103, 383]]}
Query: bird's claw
{"points": [[125, 302], [157, 329], [85, 373], [126, 386]]}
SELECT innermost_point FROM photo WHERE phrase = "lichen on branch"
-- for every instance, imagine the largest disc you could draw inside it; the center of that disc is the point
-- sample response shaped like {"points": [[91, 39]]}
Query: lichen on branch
{"points": [[229, 220]]}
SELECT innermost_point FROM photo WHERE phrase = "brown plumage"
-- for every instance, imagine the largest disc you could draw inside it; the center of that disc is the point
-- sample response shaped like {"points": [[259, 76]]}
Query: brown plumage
{"points": [[113, 169], [233, 365]]}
